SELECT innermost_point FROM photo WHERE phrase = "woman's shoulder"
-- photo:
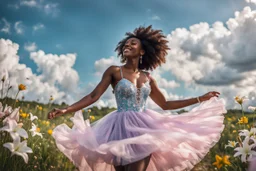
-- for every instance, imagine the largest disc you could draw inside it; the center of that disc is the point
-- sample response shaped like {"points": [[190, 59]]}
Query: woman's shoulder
{"points": [[113, 68]]}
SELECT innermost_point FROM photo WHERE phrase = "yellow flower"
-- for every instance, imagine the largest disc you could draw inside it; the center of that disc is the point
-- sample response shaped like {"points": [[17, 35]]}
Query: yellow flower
{"points": [[92, 117], [89, 110], [40, 108], [49, 132], [37, 129], [243, 120], [22, 87], [24, 115], [234, 131], [240, 100], [17, 100], [47, 123], [229, 119], [220, 161], [20, 110]]}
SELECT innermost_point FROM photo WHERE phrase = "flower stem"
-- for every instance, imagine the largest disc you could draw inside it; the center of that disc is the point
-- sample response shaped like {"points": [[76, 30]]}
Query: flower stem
{"points": [[15, 99], [243, 115]]}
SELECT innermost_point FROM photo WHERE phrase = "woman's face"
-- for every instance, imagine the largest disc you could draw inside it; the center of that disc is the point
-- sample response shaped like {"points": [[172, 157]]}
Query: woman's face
{"points": [[132, 48]]}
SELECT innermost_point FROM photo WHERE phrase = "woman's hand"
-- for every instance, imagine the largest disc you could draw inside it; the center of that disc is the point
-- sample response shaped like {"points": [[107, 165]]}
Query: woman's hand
{"points": [[209, 95], [56, 112]]}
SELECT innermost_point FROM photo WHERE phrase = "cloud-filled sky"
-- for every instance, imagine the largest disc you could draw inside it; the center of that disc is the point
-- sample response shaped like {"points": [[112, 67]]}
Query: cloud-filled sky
{"points": [[62, 48]]}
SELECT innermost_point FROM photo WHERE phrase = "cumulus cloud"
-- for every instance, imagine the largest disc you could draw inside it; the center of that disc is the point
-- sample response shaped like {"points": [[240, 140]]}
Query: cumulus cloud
{"points": [[6, 26], [61, 84], [30, 47], [102, 64], [217, 56]]}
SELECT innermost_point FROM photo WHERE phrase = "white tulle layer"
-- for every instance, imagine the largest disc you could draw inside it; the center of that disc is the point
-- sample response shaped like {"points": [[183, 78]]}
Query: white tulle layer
{"points": [[176, 142]]}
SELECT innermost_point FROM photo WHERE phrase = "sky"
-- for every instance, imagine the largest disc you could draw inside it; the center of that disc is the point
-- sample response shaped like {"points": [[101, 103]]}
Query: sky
{"points": [[62, 48]]}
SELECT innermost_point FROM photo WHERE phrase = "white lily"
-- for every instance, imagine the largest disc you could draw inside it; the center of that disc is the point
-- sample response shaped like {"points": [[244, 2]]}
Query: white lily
{"points": [[35, 131], [14, 129], [32, 117], [15, 115], [245, 150], [247, 133], [5, 111], [19, 148], [252, 108], [231, 144]]}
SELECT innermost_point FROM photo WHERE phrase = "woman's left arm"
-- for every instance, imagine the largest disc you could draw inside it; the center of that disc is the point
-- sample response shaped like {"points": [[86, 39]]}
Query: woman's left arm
{"points": [[158, 97]]}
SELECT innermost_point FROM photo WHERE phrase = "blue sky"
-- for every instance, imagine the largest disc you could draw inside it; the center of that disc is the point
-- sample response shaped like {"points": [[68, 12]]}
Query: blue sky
{"points": [[92, 29]]}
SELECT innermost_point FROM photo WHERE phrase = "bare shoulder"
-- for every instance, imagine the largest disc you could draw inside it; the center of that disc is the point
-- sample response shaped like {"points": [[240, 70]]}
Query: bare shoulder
{"points": [[112, 69]]}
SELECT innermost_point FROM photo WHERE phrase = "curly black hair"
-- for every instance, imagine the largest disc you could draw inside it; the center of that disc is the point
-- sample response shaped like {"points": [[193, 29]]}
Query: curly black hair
{"points": [[154, 44]]}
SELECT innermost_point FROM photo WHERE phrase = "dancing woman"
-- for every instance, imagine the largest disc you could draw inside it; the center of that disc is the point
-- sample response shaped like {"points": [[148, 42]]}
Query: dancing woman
{"points": [[134, 138]]}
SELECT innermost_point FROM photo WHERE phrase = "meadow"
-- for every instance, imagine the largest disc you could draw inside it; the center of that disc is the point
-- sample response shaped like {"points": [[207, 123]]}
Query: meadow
{"points": [[26, 141]]}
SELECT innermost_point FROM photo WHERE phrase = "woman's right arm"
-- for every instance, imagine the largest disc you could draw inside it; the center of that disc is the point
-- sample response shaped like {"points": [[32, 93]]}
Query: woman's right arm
{"points": [[88, 99]]}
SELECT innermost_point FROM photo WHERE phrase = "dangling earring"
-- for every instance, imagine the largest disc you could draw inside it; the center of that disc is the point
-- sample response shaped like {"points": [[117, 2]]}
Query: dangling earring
{"points": [[140, 59]]}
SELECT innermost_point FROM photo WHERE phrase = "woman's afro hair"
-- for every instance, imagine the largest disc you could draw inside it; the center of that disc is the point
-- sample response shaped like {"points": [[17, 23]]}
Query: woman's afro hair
{"points": [[154, 44]]}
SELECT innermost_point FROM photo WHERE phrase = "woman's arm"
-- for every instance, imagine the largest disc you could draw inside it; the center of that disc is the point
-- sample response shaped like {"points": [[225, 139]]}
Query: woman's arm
{"points": [[157, 96], [88, 99]]}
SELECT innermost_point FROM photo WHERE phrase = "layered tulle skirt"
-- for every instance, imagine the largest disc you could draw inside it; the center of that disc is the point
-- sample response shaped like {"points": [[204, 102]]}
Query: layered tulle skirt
{"points": [[175, 142]]}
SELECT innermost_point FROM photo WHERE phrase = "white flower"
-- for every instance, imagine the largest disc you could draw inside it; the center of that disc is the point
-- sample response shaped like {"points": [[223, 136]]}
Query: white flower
{"points": [[247, 133], [14, 129], [32, 117], [19, 148], [5, 111], [252, 108], [245, 150], [35, 131], [231, 144], [15, 115]]}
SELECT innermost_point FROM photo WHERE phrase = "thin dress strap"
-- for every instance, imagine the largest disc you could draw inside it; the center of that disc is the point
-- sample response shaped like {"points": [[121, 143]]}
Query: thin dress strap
{"points": [[121, 71], [146, 76]]}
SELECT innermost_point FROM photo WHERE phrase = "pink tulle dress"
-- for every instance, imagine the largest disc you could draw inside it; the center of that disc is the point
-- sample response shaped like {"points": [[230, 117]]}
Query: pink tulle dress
{"points": [[133, 132]]}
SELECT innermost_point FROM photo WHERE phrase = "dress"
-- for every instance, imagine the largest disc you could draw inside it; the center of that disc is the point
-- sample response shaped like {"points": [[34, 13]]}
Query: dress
{"points": [[132, 132]]}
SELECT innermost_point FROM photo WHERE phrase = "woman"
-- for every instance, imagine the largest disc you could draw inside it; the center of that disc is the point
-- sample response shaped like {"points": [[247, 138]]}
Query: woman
{"points": [[134, 138]]}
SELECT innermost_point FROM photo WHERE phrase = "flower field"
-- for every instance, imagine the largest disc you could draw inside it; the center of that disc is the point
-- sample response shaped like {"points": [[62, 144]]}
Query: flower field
{"points": [[26, 141]]}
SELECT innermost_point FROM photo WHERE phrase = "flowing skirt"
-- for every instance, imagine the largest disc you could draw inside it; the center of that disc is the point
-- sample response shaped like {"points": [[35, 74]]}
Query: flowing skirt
{"points": [[176, 142]]}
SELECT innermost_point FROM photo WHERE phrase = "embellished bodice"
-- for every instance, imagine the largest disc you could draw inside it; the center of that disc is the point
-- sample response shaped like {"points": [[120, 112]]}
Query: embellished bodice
{"points": [[129, 97]]}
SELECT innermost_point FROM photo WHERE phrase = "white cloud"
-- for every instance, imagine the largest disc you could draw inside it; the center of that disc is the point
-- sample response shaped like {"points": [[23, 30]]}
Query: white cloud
{"points": [[61, 84], [30, 3], [49, 8], [155, 17], [30, 47], [251, 1], [19, 28], [59, 46], [7, 26], [56, 69], [102, 64], [216, 57], [38, 27]]}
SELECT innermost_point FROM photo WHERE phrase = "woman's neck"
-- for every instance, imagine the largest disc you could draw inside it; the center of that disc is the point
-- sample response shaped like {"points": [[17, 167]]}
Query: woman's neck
{"points": [[132, 64]]}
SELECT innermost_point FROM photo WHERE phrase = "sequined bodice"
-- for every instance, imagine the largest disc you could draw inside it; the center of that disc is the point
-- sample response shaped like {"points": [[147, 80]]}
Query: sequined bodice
{"points": [[129, 97]]}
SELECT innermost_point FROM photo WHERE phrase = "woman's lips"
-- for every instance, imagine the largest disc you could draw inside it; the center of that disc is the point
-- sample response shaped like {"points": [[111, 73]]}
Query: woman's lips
{"points": [[127, 50]]}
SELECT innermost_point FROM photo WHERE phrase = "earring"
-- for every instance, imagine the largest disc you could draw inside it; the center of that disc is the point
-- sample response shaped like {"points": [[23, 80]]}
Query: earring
{"points": [[140, 59]]}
